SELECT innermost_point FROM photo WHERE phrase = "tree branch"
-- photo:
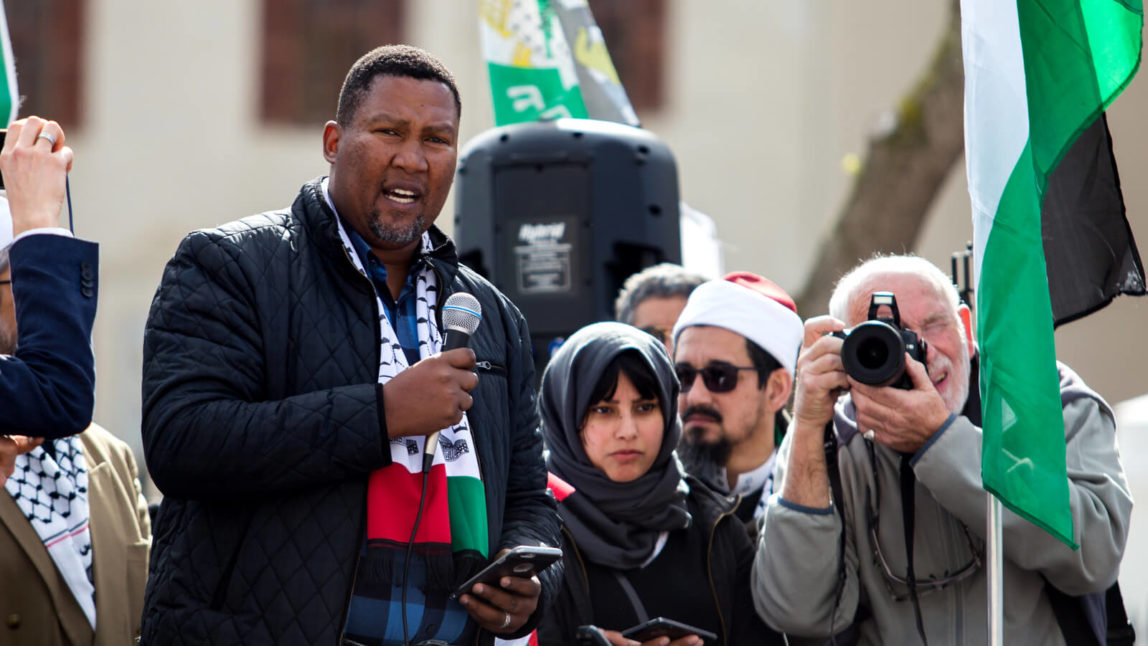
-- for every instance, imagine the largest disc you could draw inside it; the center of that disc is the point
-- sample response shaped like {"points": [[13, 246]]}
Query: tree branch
{"points": [[902, 174]]}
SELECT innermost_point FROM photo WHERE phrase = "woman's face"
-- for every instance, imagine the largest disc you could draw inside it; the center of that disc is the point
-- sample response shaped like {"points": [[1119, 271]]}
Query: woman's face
{"points": [[623, 434]]}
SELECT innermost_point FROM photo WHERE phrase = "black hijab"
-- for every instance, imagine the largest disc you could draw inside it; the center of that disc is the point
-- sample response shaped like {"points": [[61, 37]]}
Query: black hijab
{"points": [[615, 524]]}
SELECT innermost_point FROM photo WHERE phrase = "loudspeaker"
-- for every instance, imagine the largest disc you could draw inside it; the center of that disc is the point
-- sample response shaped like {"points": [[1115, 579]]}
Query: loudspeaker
{"points": [[557, 214]]}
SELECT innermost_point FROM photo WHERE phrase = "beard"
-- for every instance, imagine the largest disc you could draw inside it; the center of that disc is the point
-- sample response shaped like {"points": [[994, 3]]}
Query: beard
{"points": [[7, 340], [712, 452], [717, 451], [398, 235], [957, 391]]}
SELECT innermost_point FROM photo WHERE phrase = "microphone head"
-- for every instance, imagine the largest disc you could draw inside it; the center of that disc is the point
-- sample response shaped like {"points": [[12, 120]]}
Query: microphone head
{"points": [[461, 312]]}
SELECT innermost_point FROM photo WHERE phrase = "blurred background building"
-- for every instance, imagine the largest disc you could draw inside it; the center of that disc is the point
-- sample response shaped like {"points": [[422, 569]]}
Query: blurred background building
{"points": [[189, 114]]}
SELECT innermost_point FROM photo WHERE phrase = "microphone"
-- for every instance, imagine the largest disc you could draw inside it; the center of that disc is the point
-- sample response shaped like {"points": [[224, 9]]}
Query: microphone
{"points": [[461, 315]]}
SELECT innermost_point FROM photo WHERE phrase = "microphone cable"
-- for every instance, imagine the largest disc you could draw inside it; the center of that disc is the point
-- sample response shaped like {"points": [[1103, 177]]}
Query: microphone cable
{"points": [[466, 315], [411, 545]]}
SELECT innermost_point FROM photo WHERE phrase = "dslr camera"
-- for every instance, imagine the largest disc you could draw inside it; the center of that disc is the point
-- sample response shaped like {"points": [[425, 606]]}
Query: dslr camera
{"points": [[874, 351]]}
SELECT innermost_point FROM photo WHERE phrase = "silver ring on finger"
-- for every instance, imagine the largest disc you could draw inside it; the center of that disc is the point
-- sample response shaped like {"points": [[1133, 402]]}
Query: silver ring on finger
{"points": [[869, 434], [505, 622], [50, 138]]}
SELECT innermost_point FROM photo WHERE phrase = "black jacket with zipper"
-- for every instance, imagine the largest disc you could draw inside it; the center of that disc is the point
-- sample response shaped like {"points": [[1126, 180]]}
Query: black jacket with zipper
{"points": [[262, 421], [729, 559]]}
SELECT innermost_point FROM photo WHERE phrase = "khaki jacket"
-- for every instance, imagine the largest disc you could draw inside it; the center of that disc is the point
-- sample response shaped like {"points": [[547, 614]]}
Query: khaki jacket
{"points": [[36, 606]]}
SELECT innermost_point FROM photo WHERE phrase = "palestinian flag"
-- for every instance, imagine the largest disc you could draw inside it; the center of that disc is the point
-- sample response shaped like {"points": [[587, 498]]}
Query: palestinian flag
{"points": [[9, 94], [1051, 240]]}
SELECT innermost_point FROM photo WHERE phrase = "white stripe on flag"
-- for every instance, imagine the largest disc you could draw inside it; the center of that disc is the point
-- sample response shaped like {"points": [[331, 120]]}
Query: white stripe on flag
{"points": [[996, 107]]}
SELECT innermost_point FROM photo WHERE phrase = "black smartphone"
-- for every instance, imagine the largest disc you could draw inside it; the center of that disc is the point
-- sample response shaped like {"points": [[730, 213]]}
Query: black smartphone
{"points": [[591, 636], [662, 627], [524, 561]]}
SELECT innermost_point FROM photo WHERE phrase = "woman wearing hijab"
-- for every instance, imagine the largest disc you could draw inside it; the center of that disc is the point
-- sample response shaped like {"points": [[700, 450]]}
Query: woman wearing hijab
{"points": [[641, 539]]}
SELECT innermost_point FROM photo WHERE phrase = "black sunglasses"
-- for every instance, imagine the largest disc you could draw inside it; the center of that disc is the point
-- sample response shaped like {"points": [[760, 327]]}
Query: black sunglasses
{"points": [[718, 377]]}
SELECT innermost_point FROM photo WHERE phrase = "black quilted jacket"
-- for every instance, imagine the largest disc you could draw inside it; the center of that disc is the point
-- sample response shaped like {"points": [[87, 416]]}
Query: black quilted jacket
{"points": [[261, 425]]}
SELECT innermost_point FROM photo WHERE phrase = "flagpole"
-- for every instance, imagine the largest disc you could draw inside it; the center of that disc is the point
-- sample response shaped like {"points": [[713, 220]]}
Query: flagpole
{"points": [[995, 563]]}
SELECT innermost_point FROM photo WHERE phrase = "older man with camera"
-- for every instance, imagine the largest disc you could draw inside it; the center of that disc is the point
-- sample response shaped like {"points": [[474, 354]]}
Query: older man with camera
{"points": [[896, 553]]}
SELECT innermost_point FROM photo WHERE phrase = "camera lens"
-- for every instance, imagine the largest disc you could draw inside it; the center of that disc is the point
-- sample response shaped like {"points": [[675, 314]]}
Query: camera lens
{"points": [[874, 353]]}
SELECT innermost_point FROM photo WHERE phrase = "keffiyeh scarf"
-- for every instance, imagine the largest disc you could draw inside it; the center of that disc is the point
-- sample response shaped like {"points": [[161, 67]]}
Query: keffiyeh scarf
{"points": [[452, 532], [52, 491]]}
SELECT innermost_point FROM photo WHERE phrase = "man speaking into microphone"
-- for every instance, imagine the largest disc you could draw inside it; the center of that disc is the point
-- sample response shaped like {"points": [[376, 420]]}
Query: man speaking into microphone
{"points": [[294, 373]]}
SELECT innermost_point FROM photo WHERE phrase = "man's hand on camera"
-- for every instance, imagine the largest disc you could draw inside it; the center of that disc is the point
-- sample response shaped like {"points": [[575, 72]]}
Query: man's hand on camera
{"points": [[820, 374], [902, 420], [35, 164]]}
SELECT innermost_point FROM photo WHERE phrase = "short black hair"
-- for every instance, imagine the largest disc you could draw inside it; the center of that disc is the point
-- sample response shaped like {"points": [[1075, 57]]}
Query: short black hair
{"points": [[764, 365], [665, 280], [635, 367], [390, 60], [763, 362]]}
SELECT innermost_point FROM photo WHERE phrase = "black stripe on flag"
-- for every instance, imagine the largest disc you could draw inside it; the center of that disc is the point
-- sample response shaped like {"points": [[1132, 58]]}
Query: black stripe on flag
{"points": [[1088, 245]]}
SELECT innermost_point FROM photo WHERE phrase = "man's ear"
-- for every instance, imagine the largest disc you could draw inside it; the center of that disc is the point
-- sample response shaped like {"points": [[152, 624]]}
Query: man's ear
{"points": [[777, 389], [966, 316], [331, 134]]}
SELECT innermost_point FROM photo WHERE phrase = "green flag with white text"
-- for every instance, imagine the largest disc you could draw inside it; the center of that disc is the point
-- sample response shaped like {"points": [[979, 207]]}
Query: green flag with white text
{"points": [[547, 59], [9, 95], [1038, 76]]}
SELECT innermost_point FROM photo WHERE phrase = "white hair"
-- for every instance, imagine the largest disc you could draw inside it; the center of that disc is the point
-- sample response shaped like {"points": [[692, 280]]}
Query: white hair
{"points": [[850, 284]]}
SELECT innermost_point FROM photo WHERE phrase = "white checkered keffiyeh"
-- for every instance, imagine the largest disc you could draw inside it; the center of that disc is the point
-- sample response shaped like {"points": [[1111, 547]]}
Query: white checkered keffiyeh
{"points": [[52, 491]]}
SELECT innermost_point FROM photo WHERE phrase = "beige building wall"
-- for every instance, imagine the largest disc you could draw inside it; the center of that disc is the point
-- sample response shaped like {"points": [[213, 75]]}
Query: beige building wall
{"points": [[764, 102]]}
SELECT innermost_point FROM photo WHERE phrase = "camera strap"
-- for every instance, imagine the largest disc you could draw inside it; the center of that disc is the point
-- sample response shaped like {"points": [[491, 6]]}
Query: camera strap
{"points": [[632, 595], [908, 504], [838, 500]]}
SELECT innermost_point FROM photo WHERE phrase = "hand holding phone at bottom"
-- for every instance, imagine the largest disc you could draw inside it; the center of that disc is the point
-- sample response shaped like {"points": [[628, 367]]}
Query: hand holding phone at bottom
{"points": [[504, 608], [616, 639]]}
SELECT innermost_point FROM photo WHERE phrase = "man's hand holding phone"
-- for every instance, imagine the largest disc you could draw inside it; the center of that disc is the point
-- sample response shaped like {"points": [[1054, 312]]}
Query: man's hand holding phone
{"points": [[594, 636], [502, 597]]}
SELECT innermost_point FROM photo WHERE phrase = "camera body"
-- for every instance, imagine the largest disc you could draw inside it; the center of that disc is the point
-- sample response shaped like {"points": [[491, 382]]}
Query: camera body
{"points": [[874, 351]]}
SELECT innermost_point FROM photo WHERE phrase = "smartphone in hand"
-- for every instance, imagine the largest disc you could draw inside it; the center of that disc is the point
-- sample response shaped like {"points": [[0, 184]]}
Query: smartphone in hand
{"points": [[662, 627], [524, 561], [591, 636]]}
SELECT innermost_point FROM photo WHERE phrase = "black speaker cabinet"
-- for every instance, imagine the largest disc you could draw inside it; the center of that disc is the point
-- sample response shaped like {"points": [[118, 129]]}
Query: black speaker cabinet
{"points": [[558, 213]]}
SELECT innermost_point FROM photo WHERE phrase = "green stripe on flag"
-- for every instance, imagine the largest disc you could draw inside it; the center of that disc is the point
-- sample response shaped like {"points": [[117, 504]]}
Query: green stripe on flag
{"points": [[1078, 56], [1023, 460], [468, 530], [9, 94]]}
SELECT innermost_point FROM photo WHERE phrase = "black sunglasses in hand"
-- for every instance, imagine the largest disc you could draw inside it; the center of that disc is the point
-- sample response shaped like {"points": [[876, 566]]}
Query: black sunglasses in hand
{"points": [[719, 377]]}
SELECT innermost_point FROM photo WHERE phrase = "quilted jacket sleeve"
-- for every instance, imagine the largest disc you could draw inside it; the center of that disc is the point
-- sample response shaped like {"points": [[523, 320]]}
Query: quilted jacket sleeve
{"points": [[209, 430], [531, 513]]}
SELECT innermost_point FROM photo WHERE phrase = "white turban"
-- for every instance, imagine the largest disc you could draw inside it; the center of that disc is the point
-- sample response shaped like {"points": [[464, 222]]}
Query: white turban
{"points": [[751, 306]]}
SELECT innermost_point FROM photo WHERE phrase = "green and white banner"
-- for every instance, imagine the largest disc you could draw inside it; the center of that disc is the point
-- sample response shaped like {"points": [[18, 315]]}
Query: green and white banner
{"points": [[9, 94], [1038, 73], [535, 75]]}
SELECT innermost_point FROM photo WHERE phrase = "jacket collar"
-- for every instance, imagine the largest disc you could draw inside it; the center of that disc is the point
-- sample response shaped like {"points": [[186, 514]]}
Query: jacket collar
{"points": [[318, 218]]}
